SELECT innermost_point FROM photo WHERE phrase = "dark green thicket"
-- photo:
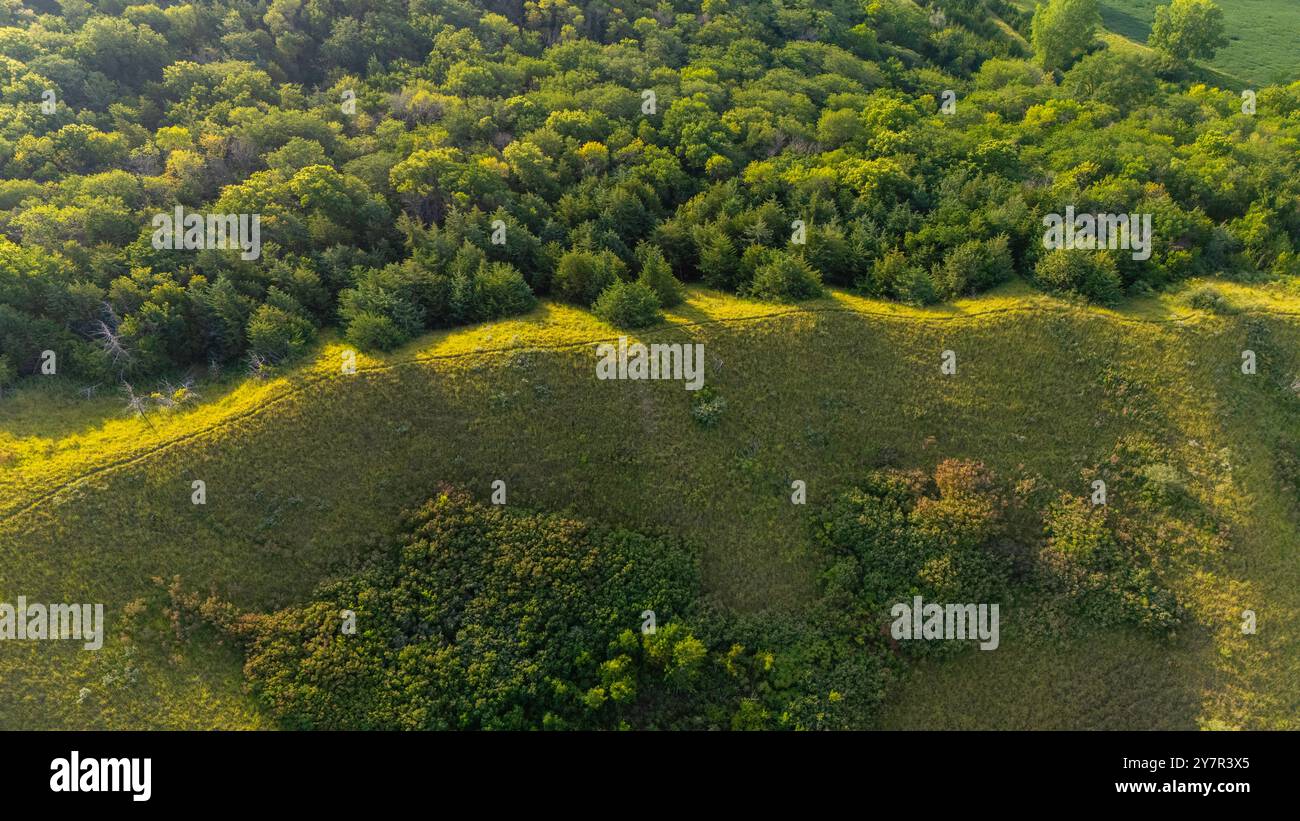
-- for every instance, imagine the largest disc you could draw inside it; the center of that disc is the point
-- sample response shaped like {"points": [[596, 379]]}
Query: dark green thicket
{"points": [[485, 617]]}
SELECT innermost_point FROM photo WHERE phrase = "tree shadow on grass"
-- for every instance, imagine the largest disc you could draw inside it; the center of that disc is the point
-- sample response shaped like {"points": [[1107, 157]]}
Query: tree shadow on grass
{"points": [[1121, 22]]}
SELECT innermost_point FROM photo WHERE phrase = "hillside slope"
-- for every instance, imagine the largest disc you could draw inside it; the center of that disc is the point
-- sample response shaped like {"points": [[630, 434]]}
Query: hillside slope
{"points": [[1261, 35], [309, 470]]}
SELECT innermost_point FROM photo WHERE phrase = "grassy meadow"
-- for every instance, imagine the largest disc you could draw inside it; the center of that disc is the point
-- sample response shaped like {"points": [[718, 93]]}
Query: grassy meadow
{"points": [[1261, 35], [309, 470]]}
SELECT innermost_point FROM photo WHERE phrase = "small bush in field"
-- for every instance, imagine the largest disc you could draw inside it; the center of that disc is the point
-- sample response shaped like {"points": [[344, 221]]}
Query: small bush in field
{"points": [[707, 407], [276, 334], [976, 266], [909, 533], [1209, 299], [628, 305], [581, 275], [492, 291]]}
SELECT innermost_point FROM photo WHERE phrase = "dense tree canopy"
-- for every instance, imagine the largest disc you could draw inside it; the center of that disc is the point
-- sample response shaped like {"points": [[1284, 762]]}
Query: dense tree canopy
{"points": [[422, 163]]}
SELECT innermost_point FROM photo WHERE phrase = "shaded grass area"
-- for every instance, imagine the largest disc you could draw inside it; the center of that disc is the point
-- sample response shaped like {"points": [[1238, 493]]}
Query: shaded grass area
{"points": [[309, 471], [1113, 680]]}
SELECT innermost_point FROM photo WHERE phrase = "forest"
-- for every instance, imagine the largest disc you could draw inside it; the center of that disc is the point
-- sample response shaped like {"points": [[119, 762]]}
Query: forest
{"points": [[424, 164]]}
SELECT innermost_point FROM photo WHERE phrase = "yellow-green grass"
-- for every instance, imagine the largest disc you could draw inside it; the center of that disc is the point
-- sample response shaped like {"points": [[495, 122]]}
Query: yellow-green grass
{"points": [[309, 470]]}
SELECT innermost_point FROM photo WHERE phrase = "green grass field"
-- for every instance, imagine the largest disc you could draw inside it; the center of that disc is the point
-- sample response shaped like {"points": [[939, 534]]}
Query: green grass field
{"points": [[309, 470], [1262, 35]]}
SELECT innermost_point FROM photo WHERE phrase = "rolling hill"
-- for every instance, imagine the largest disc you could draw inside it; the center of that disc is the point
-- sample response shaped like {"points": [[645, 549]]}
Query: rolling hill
{"points": [[308, 470], [1261, 36]]}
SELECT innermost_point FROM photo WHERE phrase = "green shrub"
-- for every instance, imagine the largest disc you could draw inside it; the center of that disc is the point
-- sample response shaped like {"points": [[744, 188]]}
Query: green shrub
{"points": [[408, 295], [831, 254], [1107, 579], [8, 371], [583, 275], [1163, 485], [276, 334], [916, 287], [459, 634], [911, 535], [1090, 274], [886, 272], [628, 305], [707, 407], [893, 275], [658, 275], [719, 264], [1207, 298], [374, 332], [490, 291], [504, 291], [1118, 78], [785, 277], [976, 266]]}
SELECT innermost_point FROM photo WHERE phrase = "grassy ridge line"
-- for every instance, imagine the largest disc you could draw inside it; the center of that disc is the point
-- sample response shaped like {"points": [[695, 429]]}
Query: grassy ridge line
{"points": [[304, 381], [347, 454]]}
